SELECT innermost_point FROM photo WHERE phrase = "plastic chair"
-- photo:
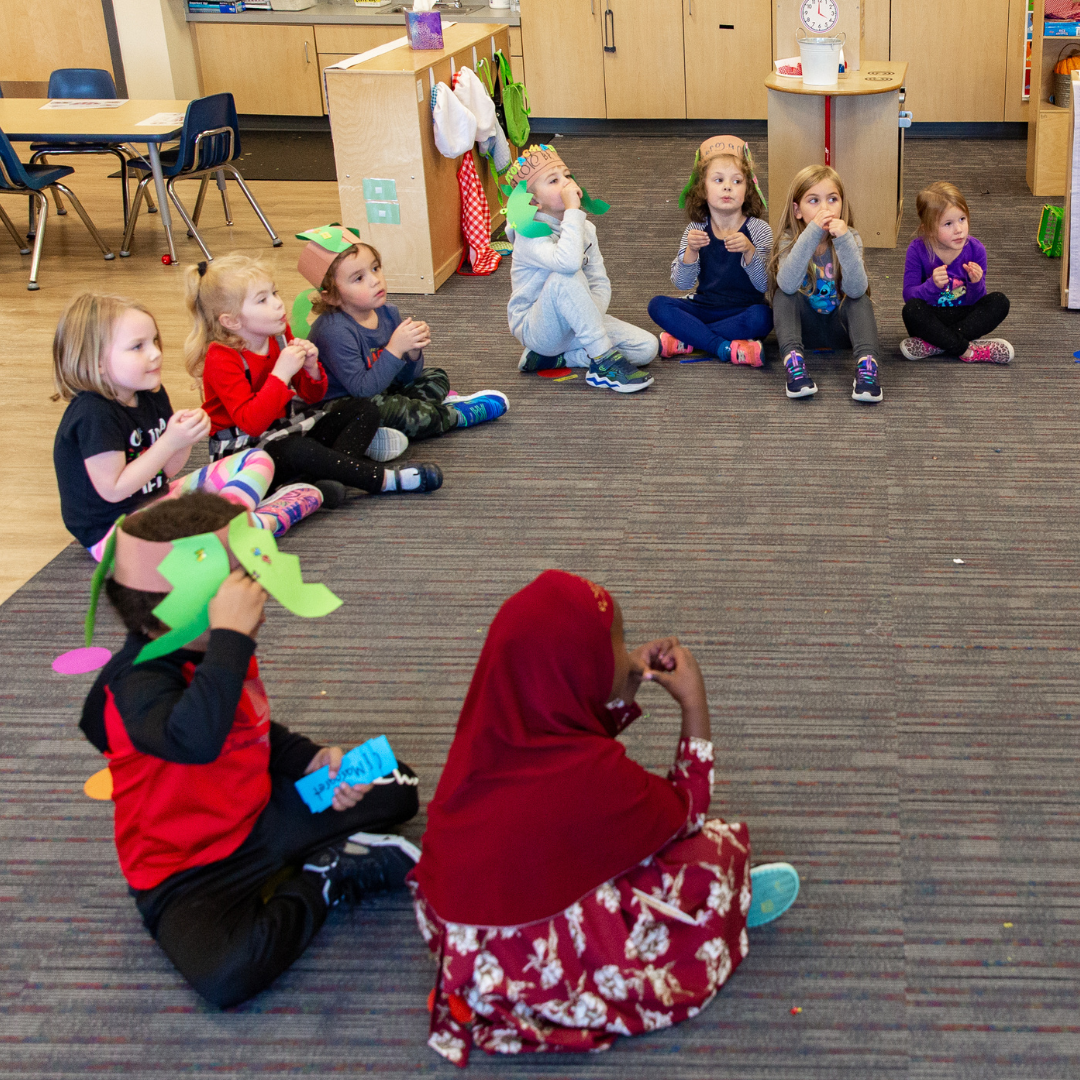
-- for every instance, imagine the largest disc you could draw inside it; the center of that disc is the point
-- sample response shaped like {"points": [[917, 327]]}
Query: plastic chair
{"points": [[85, 83], [209, 143], [35, 181]]}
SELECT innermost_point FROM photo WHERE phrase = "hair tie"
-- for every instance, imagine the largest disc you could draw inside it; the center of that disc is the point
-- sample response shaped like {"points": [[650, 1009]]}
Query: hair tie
{"points": [[202, 269]]}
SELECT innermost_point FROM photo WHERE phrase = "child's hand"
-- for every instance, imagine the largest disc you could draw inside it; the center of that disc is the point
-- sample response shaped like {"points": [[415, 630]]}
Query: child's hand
{"points": [[185, 428], [673, 667], [409, 336], [571, 195], [974, 272], [837, 227], [238, 605], [941, 276], [738, 241], [696, 240], [346, 796], [311, 356], [291, 359], [824, 216]]}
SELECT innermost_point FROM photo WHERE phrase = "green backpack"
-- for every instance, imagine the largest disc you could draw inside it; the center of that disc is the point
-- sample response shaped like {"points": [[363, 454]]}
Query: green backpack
{"points": [[515, 103]]}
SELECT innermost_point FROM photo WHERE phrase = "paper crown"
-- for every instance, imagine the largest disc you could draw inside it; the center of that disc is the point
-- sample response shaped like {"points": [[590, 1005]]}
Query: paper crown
{"points": [[190, 571], [722, 144], [324, 245], [534, 160]]}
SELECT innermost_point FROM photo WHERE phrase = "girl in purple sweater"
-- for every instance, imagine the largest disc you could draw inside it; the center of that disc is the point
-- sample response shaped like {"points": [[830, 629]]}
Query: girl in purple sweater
{"points": [[947, 308]]}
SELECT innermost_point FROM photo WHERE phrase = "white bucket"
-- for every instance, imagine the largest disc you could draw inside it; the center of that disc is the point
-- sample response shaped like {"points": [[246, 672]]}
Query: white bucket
{"points": [[821, 59]]}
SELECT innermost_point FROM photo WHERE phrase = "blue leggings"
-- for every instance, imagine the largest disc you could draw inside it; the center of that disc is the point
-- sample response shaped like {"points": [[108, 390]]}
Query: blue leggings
{"points": [[705, 327]]}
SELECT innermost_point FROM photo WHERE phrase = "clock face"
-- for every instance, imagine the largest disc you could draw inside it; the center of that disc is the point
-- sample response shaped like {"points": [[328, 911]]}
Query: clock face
{"points": [[819, 16]]}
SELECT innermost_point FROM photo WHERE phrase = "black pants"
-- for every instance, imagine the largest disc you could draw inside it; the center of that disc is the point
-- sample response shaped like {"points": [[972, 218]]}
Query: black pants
{"points": [[232, 927], [955, 328], [332, 450]]}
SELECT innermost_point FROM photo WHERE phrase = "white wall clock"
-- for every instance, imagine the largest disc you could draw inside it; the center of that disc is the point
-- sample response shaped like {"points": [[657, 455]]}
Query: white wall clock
{"points": [[819, 16]]}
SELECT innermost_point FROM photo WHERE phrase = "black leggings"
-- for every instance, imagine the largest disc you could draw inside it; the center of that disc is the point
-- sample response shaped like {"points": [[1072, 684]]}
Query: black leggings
{"points": [[955, 328], [232, 927], [332, 450]]}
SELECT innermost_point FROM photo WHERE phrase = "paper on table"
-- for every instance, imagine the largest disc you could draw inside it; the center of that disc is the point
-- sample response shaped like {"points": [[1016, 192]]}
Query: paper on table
{"points": [[85, 103], [162, 119], [361, 765]]}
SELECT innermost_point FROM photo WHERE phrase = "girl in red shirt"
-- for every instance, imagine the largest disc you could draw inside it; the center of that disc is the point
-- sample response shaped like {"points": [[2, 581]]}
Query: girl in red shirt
{"points": [[263, 387]]}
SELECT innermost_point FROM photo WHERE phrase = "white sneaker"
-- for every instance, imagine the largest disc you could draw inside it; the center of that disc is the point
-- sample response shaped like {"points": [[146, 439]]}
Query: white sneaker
{"points": [[388, 444]]}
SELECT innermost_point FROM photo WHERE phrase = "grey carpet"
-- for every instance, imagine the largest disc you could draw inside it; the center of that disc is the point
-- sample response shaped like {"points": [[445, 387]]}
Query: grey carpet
{"points": [[899, 726]]}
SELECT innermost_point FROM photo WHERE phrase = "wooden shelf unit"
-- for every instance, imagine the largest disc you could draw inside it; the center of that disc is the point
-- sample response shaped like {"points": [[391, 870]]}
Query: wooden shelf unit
{"points": [[1048, 124]]}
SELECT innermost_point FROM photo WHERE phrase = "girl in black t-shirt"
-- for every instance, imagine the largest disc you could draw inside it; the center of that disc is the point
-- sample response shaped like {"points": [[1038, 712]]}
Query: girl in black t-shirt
{"points": [[119, 442]]}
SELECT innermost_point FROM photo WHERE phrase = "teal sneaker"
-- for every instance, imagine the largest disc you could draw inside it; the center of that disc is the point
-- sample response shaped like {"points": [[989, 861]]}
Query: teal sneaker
{"points": [[614, 372], [533, 361], [480, 407], [773, 888]]}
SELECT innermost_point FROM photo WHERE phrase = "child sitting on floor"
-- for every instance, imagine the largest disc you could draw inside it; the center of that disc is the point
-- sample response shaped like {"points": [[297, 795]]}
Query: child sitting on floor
{"points": [[119, 441], [251, 379], [724, 252], [370, 352], [211, 832], [558, 307]]}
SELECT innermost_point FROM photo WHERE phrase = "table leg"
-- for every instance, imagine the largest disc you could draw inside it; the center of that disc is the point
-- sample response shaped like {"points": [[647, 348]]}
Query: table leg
{"points": [[828, 129], [162, 197]]}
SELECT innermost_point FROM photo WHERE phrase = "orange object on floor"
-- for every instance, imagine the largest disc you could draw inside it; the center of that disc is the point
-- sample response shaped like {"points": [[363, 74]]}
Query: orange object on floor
{"points": [[459, 1010], [99, 786]]}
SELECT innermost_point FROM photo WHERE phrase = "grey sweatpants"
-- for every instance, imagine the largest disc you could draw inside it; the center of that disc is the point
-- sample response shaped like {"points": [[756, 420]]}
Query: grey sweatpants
{"points": [[566, 320], [799, 326]]}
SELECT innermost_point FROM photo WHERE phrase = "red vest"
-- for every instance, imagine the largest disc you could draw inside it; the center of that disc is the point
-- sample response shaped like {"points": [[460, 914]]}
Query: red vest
{"points": [[170, 817]]}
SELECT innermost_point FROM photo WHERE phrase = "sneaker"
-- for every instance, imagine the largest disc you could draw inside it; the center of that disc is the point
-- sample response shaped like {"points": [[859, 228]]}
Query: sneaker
{"points": [[333, 493], [799, 384], [746, 352], [671, 346], [866, 386], [423, 477], [480, 407], [914, 348], [773, 888], [288, 505], [991, 350], [388, 444], [533, 361], [615, 372], [365, 863]]}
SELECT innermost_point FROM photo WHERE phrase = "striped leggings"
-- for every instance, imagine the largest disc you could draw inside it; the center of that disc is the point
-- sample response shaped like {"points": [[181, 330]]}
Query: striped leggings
{"points": [[242, 478]]}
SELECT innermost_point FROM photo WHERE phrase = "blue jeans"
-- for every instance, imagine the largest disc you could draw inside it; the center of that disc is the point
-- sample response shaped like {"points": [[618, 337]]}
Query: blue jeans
{"points": [[705, 327]]}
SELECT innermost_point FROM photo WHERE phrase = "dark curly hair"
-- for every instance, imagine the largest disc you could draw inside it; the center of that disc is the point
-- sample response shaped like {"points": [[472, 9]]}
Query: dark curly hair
{"points": [[697, 201]]}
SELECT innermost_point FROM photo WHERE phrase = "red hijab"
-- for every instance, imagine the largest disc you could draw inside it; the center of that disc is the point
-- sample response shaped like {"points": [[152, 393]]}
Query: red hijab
{"points": [[538, 803]]}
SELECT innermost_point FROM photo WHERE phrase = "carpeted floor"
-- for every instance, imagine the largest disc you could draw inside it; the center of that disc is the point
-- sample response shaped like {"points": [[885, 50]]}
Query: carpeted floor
{"points": [[900, 726]]}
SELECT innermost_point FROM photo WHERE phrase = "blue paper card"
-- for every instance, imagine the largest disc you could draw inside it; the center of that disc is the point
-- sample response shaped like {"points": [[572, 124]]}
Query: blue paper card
{"points": [[361, 765]]}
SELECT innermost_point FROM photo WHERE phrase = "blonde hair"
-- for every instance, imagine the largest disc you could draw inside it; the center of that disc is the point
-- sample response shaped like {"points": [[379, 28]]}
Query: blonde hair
{"points": [[82, 340], [215, 289], [328, 298], [790, 228], [932, 202]]}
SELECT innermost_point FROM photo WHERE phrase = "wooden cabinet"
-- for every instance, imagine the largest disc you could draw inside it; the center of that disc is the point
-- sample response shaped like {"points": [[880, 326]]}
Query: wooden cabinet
{"points": [[728, 49], [974, 34], [643, 59], [517, 58], [267, 68], [563, 48], [1048, 125], [336, 43]]}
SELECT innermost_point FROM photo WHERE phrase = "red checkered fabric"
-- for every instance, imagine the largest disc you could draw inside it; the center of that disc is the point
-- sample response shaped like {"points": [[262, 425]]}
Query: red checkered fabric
{"points": [[476, 220], [1063, 9]]}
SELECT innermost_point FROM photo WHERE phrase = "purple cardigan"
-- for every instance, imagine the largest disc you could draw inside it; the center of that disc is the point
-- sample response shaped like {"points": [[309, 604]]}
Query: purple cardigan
{"points": [[918, 275]]}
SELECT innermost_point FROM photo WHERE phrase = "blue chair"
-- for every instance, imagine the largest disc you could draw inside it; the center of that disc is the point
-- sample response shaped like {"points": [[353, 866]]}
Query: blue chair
{"points": [[35, 181], [209, 143], [84, 83]]}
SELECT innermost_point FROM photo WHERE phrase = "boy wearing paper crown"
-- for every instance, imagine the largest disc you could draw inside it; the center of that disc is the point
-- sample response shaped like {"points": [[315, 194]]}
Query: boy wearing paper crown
{"points": [[210, 829], [561, 292]]}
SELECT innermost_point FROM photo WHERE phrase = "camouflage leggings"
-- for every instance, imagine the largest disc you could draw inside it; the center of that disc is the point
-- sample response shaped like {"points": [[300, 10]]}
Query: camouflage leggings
{"points": [[417, 408]]}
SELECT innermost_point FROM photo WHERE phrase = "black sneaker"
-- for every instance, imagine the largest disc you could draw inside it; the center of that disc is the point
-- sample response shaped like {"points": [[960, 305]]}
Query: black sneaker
{"points": [[533, 361], [365, 863], [799, 384], [333, 493], [866, 386]]}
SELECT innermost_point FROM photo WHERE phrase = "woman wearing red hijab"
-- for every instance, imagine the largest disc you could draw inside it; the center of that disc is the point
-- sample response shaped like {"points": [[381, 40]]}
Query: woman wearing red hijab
{"points": [[569, 895]]}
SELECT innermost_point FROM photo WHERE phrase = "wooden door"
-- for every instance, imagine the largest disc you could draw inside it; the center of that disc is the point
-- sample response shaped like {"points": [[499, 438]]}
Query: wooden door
{"points": [[268, 69], [728, 47], [564, 57], [974, 35], [35, 38], [643, 59]]}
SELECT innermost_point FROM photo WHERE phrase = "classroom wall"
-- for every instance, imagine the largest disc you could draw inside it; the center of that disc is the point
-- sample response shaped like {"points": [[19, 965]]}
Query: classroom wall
{"points": [[155, 43]]}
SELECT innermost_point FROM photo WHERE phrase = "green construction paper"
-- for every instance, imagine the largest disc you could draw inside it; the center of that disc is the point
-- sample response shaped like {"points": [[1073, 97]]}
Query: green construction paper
{"points": [[98, 581], [301, 318], [278, 572], [329, 237], [520, 212], [196, 567], [593, 206]]}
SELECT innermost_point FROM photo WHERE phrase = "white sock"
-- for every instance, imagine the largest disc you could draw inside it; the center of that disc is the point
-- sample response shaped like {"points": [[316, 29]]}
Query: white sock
{"points": [[389, 480], [408, 479]]}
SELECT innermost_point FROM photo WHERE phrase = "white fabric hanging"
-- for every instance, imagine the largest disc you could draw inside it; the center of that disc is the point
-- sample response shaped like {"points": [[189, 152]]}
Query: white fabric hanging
{"points": [[455, 125]]}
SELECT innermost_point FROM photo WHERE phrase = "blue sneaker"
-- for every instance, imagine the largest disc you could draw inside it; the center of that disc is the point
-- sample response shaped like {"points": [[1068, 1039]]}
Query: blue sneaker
{"points": [[533, 361], [773, 888], [799, 384], [480, 407], [615, 372], [866, 386]]}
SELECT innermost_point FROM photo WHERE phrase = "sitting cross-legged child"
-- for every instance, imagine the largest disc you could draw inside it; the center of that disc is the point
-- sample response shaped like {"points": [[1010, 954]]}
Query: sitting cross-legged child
{"points": [[369, 351], [232, 873], [558, 307]]}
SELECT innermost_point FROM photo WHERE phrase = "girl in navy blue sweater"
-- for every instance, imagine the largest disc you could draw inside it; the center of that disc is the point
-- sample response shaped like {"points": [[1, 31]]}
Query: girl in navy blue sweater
{"points": [[723, 252]]}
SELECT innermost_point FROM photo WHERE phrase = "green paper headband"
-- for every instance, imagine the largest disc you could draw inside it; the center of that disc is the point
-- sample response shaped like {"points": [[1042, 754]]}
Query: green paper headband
{"points": [[332, 237], [521, 210], [694, 177]]}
